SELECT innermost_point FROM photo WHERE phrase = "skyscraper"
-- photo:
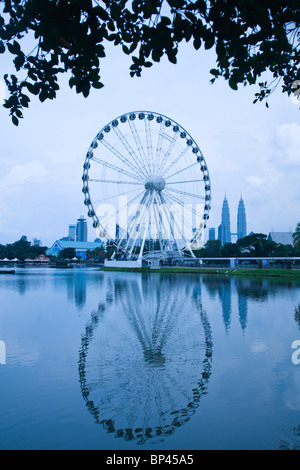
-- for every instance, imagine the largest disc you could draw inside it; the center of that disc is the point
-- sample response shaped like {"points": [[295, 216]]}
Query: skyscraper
{"points": [[72, 232], [224, 232], [241, 220], [81, 229], [212, 234]]}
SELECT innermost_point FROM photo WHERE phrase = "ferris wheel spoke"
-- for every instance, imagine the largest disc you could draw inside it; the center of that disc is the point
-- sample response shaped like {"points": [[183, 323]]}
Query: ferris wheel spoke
{"points": [[175, 161], [159, 146], [185, 193], [168, 153], [120, 156], [109, 198], [184, 207], [151, 199], [134, 221], [179, 201], [157, 224], [138, 144], [115, 168], [198, 216], [140, 222], [187, 181], [135, 159], [121, 208], [162, 203], [149, 143], [95, 180], [131, 221], [161, 229], [182, 170], [187, 245]]}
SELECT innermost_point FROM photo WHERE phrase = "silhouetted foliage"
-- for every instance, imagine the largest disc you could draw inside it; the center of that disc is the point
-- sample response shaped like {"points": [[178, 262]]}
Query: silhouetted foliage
{"points": [[211, 249], [249, 39], [21, 249], [98, 253], [254, 245], [296, 236], [257, 244], [231, 250], [67, 253]]}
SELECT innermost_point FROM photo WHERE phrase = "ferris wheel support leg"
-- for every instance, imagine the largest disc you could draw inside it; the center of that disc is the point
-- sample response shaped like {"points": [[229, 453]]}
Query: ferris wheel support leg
{"points": [[138, 220], [162, 220], [145, 231], [143, 214], [157, 222], [133, 220], [163, 203]]}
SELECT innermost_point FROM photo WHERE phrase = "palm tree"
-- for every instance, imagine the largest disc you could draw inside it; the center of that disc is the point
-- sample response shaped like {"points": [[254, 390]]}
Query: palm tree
{"points": [[296, 236]]}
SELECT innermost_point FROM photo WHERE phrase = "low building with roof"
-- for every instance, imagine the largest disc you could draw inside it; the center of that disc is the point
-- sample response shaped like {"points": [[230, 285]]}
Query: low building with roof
{"points": [[284, 238], [80, 247]]}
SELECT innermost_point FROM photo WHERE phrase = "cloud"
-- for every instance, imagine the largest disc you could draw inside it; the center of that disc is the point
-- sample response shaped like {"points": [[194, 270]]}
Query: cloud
{"points": [[287, 143], [258, 347], [255, 180], [32, 171]]}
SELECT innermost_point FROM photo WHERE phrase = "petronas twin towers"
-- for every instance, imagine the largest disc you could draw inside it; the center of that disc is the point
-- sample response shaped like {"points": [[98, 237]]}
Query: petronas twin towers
{"points": [[224, 230]]}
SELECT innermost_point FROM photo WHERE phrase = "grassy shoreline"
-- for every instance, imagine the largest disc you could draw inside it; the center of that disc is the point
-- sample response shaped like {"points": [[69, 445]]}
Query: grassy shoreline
{"points": [[288, 274]]}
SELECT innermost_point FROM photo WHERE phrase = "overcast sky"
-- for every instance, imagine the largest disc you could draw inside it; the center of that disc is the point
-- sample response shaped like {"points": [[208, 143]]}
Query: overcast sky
{"points": [[249, 149]]}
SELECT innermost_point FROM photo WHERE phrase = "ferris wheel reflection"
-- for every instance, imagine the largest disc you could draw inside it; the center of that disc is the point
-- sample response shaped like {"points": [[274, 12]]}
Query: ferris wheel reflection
{"points": [[145, 357]]}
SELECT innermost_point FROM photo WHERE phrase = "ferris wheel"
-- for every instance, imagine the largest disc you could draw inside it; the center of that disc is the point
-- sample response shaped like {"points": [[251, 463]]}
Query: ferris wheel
{"points": [[146, 186]]}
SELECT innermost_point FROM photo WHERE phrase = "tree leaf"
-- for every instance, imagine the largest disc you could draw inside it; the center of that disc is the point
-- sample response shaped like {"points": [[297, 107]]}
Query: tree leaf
{"points": [[15, 120], [233, 84]]}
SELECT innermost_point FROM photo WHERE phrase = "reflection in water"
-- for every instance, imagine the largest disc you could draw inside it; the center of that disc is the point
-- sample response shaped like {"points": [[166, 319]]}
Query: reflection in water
{"points": [[293, 442], [247, 289], [80, 289], [225, 296], [222, 286], [145, 358], [76, 287], [243, 311], [297, 315]]}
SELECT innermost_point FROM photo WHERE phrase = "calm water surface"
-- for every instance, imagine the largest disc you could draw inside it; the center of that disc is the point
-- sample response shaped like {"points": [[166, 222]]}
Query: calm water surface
{"points": [[102, 360]]}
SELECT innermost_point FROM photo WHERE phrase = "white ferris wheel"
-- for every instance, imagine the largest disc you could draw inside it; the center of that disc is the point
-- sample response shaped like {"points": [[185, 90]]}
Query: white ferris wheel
{"points": [[146, 186]]}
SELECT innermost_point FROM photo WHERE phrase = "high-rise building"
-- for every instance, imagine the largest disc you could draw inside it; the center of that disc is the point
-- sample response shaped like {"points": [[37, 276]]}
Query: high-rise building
{"points": [[224, 232], [37, 242], [212, 234], [241, 220], [81, 229], [72, 232]]}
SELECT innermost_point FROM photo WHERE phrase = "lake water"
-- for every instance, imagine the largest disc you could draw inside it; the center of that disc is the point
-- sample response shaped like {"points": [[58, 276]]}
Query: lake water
{"points": [[106, 360]]}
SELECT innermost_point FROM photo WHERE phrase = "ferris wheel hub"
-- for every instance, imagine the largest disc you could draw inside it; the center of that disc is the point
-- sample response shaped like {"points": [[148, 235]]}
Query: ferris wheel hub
{"points": [[157, 182]]}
